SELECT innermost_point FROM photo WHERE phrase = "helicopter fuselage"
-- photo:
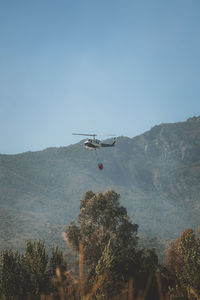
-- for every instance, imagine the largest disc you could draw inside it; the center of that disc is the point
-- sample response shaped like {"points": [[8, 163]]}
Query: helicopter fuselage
{"points": [[94, 144]]}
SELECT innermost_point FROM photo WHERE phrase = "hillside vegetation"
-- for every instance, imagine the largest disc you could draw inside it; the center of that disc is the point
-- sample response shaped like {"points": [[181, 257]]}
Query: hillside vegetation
{"points": [[157, 175]]}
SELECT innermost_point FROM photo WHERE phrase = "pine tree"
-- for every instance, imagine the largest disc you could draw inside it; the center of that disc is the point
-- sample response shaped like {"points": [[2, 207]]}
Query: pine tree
{"points": [[57, 260], [35, 260], [11, 282]]}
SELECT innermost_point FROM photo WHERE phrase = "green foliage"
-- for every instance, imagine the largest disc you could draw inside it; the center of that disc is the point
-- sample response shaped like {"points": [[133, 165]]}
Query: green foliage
{"points": [[183, 262], [57, 260], [35, 262], [109, 240], [11, 275], [29, 274]]}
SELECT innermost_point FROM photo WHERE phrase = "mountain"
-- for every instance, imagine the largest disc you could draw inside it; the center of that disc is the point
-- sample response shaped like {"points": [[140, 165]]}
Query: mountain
{"points": [[156, 173]]}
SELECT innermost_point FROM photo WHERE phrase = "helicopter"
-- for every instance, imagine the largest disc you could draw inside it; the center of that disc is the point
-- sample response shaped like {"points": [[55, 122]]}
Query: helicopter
{"points": [[94, 143]]}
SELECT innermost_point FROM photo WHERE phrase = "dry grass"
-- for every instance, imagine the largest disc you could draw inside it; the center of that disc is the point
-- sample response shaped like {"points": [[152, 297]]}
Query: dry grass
{"points": [[68, 287], [75, 291]]}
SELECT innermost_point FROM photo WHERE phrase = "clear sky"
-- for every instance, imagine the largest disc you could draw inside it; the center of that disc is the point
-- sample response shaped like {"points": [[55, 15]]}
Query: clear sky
{"points": [[103, 66]]}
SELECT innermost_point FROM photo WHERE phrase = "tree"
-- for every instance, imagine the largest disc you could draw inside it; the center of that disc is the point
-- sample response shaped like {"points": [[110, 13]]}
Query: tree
{"points": [[35, 260], [183, 263], [57, 260], [58, 274], [11, 282], [31, 273], [109, 241]]}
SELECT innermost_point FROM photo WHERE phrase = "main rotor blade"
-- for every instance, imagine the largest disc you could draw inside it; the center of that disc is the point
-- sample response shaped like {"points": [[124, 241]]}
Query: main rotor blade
{"points": [[107, 135], [84, 134]]}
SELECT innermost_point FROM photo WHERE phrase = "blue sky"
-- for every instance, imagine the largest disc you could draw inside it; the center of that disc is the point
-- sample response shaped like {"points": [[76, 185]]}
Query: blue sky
{"points": [[102, 66]]}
